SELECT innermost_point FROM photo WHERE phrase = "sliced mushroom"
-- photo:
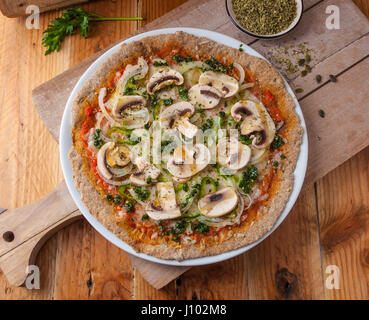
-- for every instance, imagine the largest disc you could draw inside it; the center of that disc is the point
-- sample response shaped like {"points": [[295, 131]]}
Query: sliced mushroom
{"points": [[204, 96], [187, 162], [158, 213], [225, 84], [111, 158], [218, 203], [101, 162], [118, 155], [127, 102], [162, 79], [233, 154], [177, 115], [242, 109], [145, 171], [256, 122], [168, 208]]}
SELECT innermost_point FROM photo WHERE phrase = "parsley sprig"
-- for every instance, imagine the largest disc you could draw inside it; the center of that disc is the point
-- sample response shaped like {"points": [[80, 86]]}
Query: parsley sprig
{"points": [[69, 21]]}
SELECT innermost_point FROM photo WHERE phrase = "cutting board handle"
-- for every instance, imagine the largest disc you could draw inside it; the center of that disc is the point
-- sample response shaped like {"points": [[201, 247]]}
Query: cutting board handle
{"points": [[23, 231]]}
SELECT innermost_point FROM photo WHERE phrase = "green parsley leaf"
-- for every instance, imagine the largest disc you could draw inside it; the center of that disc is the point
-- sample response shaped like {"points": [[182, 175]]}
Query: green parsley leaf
{"points": [[71, 20]]}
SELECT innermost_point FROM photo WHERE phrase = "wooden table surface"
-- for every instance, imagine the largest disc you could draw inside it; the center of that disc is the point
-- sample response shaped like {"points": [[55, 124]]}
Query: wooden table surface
{"points": [[329, 224]]}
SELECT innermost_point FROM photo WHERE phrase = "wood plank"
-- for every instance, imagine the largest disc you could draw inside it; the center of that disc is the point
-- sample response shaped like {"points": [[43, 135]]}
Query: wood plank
{"points": [[342, 60], [30, 162], [343, 205], [363, 6], [337, 108], [287, 264]]}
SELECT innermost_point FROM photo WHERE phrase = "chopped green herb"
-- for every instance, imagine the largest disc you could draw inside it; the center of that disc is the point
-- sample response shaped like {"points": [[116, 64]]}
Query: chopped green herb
{"points": [[240, 48], [248, 179], [217, 66], [201, 228], [147, 126], [283, 157], [303, 73], [275, 163], [149, 180], [208, 124], [307, 68], [183, 93], [223, 118], [332, 78], [301, 62], [160, 63], [145, 217], [179, 58], [185, 187], [98, 143], [129, 205], [180, 226], [142, 193], [299, 90], [318, 78], [117, 199], [277, 142], [307, 58], [245, 139], [194, 192], [167, 102]]}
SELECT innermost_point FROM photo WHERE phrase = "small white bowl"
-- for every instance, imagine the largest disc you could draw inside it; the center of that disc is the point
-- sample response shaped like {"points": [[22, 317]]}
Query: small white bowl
{"points": [[295, 22]]}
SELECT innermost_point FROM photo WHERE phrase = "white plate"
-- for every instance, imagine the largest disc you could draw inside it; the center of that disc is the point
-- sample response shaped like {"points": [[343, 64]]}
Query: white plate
{"points": [[66, 143]]}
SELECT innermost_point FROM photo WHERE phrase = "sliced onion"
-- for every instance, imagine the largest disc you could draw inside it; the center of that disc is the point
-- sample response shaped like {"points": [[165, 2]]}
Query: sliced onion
{"points": [[241, 71], [246, 86], [102, 94], [113, 182], [121, 172], [250, 202]]}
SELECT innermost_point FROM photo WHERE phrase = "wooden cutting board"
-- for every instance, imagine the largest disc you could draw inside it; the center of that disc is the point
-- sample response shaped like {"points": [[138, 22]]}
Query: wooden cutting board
{"points": [[332, 140]]}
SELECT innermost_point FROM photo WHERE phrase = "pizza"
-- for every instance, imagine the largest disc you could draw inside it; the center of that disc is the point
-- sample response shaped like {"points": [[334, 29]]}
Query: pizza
{"points": [[184, 147]]}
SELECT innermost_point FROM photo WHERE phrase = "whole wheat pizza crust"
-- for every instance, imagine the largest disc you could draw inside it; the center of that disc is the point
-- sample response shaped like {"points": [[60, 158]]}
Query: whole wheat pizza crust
{"points": [[262, 71]]}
